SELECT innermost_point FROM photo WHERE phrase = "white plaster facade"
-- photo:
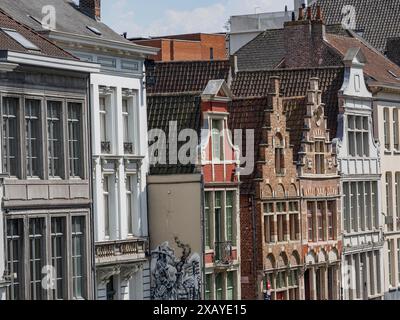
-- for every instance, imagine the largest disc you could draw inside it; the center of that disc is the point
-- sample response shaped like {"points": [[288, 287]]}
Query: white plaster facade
{"points": [[386, 128], [359, 166], [120, 164]]}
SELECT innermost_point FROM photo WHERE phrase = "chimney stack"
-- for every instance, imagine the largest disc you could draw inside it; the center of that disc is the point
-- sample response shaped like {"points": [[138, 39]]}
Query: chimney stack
{"points": [[305, 41], [92, 8]]}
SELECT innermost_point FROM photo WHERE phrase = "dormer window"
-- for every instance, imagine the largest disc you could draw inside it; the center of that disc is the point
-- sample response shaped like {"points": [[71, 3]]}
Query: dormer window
{"points": [[279, 155], [16, 36], [218, 139]]}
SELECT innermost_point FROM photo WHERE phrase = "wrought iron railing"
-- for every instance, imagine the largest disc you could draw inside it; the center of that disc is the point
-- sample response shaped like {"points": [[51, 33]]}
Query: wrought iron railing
{"points": [[106, 147], [128, 147], [223, 253]]}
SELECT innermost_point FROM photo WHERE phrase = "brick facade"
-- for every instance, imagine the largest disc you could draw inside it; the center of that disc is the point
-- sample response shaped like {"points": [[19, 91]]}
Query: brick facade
{"points": [[190, 47]]}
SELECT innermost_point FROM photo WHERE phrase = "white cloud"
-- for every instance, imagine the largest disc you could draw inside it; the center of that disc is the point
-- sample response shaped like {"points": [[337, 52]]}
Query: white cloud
{"points": [[210, 18]]}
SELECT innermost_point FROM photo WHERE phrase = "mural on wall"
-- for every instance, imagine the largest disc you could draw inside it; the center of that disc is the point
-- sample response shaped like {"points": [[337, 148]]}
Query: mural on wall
{"points": [[175, 278]]}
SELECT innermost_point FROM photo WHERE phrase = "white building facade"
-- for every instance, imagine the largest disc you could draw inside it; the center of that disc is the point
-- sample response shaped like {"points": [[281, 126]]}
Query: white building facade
{"points": [[387, 129], [359, 166], [118, 139]]}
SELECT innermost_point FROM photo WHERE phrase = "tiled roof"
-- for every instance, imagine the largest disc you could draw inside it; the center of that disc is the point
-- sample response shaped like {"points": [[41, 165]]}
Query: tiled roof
{"points": [[187, 76], [46, 48], [184, 108], [267, 50], [378, 19], [377, 66], [248, 114]]}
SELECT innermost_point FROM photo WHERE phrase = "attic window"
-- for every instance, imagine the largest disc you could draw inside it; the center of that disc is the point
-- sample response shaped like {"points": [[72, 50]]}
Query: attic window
{"points": [[94, 30], [393, 74], [20, 39]]}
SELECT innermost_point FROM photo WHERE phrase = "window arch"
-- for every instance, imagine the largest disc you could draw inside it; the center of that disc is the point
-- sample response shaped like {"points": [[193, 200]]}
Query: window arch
{"points": [[294, 259], [280, 191], [279, 154], [270, 262]]}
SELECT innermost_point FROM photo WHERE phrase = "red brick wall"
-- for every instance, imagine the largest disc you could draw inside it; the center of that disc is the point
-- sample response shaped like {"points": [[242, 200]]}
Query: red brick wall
{"points": [[191, 47]]}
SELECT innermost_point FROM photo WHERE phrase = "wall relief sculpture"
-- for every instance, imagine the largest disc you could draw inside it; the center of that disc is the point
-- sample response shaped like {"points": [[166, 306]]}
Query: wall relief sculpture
{"points": [[175, 278]]}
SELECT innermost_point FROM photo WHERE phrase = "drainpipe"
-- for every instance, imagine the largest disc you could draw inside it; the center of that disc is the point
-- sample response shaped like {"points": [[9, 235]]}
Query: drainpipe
{"points": [[253, 218], [91, 181]]}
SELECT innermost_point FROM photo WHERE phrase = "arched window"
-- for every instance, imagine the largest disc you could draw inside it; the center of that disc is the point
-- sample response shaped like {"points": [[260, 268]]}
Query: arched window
{"points": [[279, 155]]}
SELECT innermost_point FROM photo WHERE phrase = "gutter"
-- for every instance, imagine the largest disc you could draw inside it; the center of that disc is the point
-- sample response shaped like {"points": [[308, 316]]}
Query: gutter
{"points": [[109, 44], [10, 59]]}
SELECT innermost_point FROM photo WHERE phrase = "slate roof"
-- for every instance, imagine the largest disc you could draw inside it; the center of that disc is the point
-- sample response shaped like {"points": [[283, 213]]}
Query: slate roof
{"points": [[378, 19], [69, 18], [186, 76], [46, 47], [267, 50], [184, 108]]}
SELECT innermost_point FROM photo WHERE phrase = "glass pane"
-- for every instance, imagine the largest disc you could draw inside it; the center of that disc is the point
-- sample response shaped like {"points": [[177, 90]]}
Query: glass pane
{"points": [[33, 137], [10, 135], [74, 140]]}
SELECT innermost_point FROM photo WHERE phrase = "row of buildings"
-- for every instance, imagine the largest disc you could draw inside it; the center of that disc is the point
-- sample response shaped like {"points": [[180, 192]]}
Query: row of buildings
{"points": [[272, 173], [319, 214]]}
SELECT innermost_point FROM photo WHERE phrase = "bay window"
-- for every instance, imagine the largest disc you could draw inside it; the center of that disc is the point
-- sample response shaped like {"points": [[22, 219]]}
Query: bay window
{"points": [[358, 136]]}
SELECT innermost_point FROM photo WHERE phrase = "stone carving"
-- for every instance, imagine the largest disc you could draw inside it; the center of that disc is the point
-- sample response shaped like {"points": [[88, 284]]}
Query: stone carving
{"points": [[318, 115], [175, 278]]}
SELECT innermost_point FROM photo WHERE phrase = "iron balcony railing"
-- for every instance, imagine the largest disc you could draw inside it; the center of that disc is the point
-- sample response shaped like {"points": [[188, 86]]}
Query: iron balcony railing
{"points": [[223, 253]]}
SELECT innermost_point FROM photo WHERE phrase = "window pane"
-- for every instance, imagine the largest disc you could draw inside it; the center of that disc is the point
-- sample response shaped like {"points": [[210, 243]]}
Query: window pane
{"points": [[207, 217], [54, 131], [229, 215], [106, 205], [15, 262], [37, 251], [230, 287], [74, 140], [78, 257], [218, 223], [207, 295], [217, 140], [33, 137], [396, 129], [386, 128], [125, 113], [10, 135], [129, 202], [219, 286], [58, 257]]}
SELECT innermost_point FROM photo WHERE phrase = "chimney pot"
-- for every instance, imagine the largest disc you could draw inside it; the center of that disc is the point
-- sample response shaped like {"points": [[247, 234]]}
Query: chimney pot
{"points": [[92, 8], [301, 14], [309, 15], [293, 16]]}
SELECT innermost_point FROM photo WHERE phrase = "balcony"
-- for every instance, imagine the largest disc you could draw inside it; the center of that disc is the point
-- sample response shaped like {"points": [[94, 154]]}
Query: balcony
{"points": [[224, 254], [128, 147], [105, 147], [121, 251]]}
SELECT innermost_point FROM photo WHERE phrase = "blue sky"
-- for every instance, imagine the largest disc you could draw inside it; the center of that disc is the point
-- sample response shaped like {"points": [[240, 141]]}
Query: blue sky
{"points": [[162, 17]]}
